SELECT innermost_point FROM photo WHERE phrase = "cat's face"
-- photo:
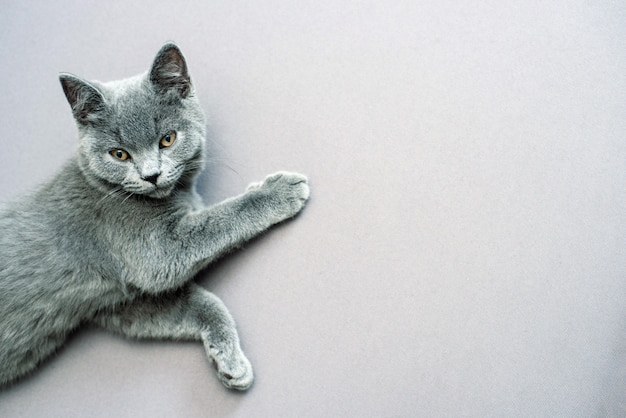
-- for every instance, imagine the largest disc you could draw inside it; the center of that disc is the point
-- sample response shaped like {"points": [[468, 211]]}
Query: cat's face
{"points": [[142, 135]]}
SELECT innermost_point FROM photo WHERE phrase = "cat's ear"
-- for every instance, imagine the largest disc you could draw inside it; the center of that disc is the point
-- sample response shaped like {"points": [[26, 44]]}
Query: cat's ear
{"points": [[86, 101], [169, 71]]}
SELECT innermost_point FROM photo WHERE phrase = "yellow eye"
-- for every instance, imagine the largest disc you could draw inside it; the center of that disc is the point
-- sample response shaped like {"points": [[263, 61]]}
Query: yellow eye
{"points": [[167, 140], [120, 154]]}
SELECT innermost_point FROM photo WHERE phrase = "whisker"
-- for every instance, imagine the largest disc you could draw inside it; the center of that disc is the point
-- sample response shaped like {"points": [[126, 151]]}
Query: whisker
{"points": [[112, 193], [221, 163], [127, 197], [231, 168]]}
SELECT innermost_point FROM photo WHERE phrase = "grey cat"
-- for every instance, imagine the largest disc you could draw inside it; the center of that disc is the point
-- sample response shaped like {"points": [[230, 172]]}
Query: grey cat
{"points": [[117, 236]]}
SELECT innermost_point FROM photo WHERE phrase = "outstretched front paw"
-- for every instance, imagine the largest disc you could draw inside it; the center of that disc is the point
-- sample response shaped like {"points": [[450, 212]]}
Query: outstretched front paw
{"points": [[286, 192]]}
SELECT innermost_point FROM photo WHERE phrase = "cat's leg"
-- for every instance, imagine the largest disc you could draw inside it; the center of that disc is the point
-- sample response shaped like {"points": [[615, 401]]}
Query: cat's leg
{"points": [[227, 225], [195, 239], [189, 313]]}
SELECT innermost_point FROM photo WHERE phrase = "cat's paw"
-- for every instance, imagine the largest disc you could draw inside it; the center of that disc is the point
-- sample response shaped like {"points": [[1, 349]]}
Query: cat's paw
{"points": [[233, 368], [287, 193]]}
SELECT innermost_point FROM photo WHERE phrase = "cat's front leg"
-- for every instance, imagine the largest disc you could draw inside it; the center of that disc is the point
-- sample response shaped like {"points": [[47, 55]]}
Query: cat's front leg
{"points": [[209, 233], [188, 313], [190, 241]]}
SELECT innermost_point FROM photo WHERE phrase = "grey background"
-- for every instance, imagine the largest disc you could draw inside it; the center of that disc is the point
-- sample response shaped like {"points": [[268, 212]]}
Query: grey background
{"points": [[463, 252]]}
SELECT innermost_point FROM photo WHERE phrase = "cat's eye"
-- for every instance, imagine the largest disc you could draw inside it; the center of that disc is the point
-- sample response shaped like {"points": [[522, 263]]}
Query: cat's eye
{"points": [[120, 154], [167, 139]]}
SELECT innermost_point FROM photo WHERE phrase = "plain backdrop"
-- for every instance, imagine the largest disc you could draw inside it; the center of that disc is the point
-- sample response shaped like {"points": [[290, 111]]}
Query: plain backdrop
{"points": [[463, 252]]}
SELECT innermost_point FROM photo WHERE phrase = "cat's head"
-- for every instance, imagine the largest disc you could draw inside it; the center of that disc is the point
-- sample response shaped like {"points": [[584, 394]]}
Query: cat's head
{"points": [[143, 135]]}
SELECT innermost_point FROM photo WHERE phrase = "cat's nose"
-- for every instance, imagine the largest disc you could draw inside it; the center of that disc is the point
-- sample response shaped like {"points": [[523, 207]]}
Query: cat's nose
{"points": [[152, 178]]}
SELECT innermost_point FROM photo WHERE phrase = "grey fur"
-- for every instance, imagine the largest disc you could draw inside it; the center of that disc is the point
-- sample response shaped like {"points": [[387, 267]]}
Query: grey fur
{"points": [[117, 243]]}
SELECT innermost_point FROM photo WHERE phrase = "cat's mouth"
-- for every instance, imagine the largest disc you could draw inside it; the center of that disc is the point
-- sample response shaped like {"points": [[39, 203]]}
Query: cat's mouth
{"points": [[160, 192], [155, 187], [150, 190]]}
